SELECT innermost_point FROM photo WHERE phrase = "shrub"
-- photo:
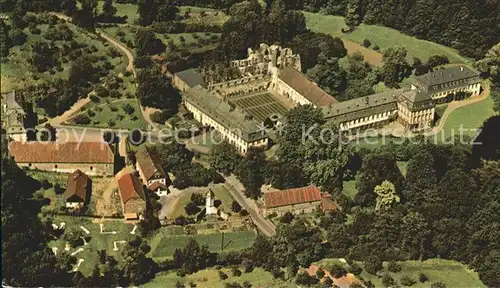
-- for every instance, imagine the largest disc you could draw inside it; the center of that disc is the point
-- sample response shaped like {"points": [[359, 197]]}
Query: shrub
{"points": [[247, 265], [305, 279], [160, 116], [438, 285], [407, 281], [90, 113], [101, 91], [81, 119], [337, 271], [287, 217], [94, 98], [236, 272], [46, 184], [320, 273], [113, 108], [394, 267], [388, 281], [127, 108], [222, 275], [373, 264], [111, 123], [355, 269], [422, 277], [375, 47], [367, 43], [114, 94]]}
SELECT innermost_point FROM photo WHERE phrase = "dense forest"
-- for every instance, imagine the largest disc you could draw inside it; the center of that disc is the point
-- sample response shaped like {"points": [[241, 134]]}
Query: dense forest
{"points": [[446, 206]]}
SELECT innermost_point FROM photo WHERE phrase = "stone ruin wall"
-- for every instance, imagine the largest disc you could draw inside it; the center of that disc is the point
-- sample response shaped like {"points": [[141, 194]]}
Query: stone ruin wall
{"points": [[242, 86]]}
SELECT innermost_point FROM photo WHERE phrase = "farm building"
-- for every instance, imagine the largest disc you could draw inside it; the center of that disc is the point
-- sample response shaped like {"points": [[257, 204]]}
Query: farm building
{"points": [[78, 190], [14, 115], [92, 158], [151, 171], [132, 196], [295, 200]]}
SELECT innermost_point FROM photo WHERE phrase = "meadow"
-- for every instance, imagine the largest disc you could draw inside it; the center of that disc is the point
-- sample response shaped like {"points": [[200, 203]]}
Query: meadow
{"points": [[111, 115], [383, 37], [163, 245], [97, 242], [210, 278]]}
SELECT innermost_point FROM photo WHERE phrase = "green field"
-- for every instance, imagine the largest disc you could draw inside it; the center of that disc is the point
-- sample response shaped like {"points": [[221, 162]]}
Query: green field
{"points": [[122, 9], [98, 241], [452, 273], [210, 278], [381, 36], [163, 245], [104, 114], [470, 117]]}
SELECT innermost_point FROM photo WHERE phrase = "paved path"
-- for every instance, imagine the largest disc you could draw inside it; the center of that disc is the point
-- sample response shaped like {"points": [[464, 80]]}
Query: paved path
{"points": [[118, 45], [236, 189]]}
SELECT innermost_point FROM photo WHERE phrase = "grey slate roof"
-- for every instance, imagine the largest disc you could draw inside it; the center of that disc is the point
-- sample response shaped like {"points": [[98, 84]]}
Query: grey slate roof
{"points": [[362, 107], [224, 114], [416, 100], [191, 77], [446, 75]]}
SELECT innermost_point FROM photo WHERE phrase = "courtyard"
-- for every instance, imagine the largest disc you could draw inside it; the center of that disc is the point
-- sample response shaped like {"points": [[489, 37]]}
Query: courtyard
{"points": [[261, 105]]}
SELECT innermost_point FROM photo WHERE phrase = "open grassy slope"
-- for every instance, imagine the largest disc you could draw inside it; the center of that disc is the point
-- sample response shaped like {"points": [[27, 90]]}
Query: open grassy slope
{"points": [[381, 36]]}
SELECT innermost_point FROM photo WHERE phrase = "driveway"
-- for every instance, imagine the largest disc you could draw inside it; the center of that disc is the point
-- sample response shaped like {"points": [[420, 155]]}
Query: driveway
{"points": [[236, 189]]}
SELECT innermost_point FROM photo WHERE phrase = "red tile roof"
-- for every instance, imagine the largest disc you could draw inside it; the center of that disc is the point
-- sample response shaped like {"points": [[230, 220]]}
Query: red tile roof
{"points": [[306, 87], [54, 152], [328, 204], [156, 185], [292, 196], [130, 187], [77, 186]]}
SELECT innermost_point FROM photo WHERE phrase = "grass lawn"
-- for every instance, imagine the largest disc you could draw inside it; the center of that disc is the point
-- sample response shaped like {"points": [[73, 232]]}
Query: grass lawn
{"points": [[452, 273], [178, 208], [104, 114], [56, 201], [98, 242], [402, 165], [122, 9], [210, 278], [381, 36], [222, 194], [163, 245], [349, 189], [470, 117]]}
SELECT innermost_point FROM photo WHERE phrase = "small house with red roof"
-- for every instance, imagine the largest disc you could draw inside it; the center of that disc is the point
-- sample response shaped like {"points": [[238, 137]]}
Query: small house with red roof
{"points": [[132, 196], [78, 190], [295, 200]]}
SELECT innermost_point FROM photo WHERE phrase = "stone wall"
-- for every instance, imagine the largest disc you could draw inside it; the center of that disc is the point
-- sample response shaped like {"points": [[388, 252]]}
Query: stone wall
{"points": [[91, 169], [295, 209]]}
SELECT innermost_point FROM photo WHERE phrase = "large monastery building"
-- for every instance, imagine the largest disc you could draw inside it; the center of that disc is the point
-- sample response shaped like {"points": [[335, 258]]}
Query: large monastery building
{"points": [[272, 70]]}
